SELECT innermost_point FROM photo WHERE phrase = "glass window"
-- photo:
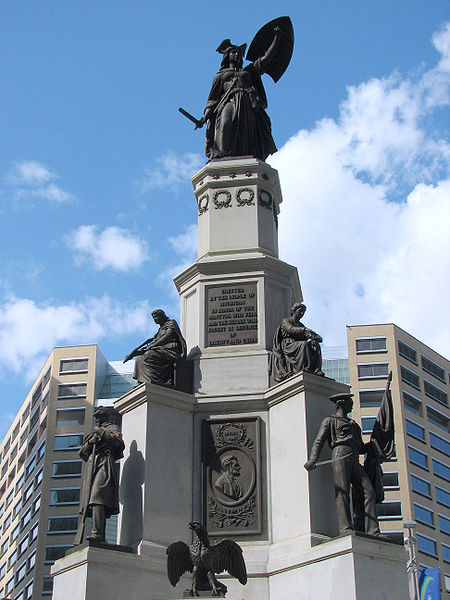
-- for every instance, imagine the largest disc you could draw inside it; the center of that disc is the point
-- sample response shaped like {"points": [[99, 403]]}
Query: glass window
{"points": [[17, 508], [389, 510], [370, 398], [34, 418], [373, 370], [28, 493], [437, 418], [12, 559], [438, 443], [9, 585], [71, 441], [31, 561], [15, 432], [426, 545], [445, 552], [410, 377], [444, 524], [36, 504], [390, 480], [7, 522], [45, 401], [417, 458], [64, 496], [28, 591], [5, 546], [69, 417], [407, 352], [21, 572], [72, 390], [9, 498], [23, 545], [420, 486], [442, 496], [412, 403], [46, 378], [13, 453], [73, 365], [66, 468], [423, 515], [53, 553], [36, 395], [34, 532], [47, 584], [431, 367], [38, 478], [2, 570], [30, 466], [367, 424], [26, 518], [41, 451], [434, 392], [15, 532], [25, 414], [62, 524], [415, 430], [440, 469], [375, 344]]}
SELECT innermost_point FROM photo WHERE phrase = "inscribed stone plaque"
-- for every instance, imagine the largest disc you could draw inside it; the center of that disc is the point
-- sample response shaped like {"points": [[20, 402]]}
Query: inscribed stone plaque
{"points": [[231, 315], [232, 476]]}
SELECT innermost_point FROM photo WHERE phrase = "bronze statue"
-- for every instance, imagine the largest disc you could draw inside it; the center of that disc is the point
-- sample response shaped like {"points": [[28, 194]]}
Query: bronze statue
{"points": [[204, 560], [237, 123], [157, 355], [100, 449], [295, 347], [345, 440]]}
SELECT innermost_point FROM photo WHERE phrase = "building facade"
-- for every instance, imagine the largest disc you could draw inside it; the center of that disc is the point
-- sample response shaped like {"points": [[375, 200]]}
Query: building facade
{"points": [[417, 479], [40, 470]]}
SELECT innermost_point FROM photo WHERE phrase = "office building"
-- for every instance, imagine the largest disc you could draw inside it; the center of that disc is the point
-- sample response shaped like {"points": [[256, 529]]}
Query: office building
{"points": [[40, 470], [417, 480]]}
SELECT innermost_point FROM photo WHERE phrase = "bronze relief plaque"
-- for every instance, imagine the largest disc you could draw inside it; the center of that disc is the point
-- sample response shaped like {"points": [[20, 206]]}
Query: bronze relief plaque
{"points": [[231, 315], [232, 476]]}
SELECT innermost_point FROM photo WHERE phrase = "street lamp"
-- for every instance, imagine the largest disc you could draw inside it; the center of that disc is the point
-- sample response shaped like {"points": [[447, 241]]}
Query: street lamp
{"points": [[411, 565]]}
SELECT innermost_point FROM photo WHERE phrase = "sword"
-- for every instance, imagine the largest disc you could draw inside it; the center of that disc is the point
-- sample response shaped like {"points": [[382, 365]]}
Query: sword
{"points": [[332, 460], [197, 122]]}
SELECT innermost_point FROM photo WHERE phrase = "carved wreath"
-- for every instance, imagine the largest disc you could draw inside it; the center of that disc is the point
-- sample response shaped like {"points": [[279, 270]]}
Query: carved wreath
{"points": [[231, 517], [242, 201], [265, 199], [222, 203], [202, 204], [233, 434]]}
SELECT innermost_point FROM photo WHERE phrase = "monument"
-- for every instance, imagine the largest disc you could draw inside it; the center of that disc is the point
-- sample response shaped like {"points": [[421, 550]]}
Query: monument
{"points": [[228, 454]]}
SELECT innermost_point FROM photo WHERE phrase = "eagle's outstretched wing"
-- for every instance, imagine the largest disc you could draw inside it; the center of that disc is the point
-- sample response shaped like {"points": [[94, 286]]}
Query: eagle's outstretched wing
{"points": [[178, 561], [227, 556]]}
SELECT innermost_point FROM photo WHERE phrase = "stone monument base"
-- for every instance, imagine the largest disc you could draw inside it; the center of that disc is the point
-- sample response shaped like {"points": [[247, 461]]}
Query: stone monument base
{"points": [[352, 567]]}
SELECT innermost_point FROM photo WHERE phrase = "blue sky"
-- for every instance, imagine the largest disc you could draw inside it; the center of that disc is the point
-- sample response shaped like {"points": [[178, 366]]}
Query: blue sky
{"points": [[96, 207]]}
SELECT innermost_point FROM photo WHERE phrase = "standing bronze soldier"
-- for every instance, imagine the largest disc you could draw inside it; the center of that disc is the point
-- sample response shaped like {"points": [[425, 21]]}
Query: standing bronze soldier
{"points": [[345, 440], [100, 499]]}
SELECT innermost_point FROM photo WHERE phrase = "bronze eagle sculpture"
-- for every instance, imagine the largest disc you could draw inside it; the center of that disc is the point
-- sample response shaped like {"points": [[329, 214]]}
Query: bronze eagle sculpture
{"points": [[204, 560]]}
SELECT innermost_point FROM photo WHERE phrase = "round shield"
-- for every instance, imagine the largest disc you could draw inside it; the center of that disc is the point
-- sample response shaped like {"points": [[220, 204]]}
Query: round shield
{"points": [[264, 38]]}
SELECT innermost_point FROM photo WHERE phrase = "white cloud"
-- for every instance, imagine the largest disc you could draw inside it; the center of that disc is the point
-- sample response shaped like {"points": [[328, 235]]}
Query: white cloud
{"points": [[185, 245], [362, 257], [31, 179], [113, 248], [170, 171], [28, 331]]}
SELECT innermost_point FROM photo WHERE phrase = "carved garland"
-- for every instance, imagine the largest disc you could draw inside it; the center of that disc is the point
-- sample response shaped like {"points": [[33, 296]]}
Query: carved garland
{"points": [[231, 517], [245, 201], [202, 204], [222, 203]]}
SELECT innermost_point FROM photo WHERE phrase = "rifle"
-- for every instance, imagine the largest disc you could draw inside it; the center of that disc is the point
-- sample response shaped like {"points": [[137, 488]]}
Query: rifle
{"points": [[86, 493], [137, 350]]}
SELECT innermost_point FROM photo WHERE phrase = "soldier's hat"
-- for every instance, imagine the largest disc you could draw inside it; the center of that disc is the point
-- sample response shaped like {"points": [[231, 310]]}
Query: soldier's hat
{"points": [[342, 396]]}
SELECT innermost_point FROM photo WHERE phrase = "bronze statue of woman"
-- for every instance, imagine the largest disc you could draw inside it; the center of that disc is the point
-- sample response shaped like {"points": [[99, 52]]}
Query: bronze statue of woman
{"points": [[235, 113]]}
